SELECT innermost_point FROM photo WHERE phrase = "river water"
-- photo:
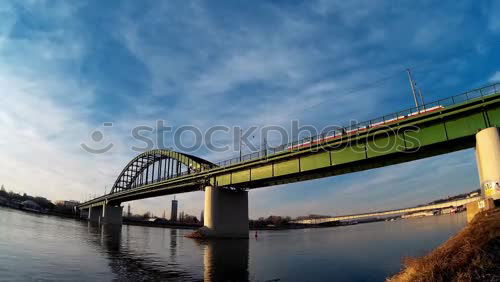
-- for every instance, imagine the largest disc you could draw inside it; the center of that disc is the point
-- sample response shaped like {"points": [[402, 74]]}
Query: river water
{"points": [[41, 247]]}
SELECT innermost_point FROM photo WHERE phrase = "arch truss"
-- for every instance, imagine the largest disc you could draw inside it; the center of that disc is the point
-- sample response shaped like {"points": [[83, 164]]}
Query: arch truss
{"points": [[158, 165]]}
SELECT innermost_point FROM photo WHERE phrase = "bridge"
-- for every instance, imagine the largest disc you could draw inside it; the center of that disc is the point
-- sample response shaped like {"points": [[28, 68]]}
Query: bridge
{"points": [[448, 204], [459, 122]]}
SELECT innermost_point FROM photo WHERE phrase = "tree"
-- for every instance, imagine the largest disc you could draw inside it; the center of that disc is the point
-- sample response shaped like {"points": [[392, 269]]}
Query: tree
{"points": [[3, 192]]}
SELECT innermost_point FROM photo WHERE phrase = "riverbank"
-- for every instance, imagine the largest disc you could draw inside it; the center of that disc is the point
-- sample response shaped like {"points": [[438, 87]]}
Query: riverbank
{"points": [[471, 255], [177, 225]]}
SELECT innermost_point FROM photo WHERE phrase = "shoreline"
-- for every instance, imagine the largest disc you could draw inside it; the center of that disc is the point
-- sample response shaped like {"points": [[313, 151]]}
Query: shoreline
{"points": [[473, 254], [196, 226]]}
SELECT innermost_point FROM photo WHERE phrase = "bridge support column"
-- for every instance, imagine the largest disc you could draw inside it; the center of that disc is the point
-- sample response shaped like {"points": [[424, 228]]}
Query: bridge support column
{"points": [[488, 162], [488, 166], [84, 213], [111, 214], [95, 214], [225, 214]]}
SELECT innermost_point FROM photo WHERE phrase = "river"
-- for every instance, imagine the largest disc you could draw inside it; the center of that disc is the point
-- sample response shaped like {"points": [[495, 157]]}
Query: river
{"points": [[41, 247]]}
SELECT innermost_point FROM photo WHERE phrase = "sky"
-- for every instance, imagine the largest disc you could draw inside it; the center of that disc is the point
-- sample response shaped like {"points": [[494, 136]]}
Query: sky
{"points": [[71, 68]]}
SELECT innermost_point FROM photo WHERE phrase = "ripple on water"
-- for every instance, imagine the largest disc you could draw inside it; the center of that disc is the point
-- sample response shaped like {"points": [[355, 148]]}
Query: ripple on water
{"points": [[41, 247]]}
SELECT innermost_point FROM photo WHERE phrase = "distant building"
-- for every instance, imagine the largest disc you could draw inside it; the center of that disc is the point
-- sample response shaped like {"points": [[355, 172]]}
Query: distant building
{"points": [[160, 220], [448, 210], [67, 204], [418, 214], [31, 205], [474, 194], [173, 214]]}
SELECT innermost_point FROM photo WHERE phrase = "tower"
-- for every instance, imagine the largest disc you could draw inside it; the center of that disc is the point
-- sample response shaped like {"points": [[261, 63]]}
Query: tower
{"points": [[173, 214]]}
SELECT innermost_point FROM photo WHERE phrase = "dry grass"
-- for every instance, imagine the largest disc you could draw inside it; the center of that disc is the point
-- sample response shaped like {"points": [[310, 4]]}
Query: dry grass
{"points": [[471, 255]]}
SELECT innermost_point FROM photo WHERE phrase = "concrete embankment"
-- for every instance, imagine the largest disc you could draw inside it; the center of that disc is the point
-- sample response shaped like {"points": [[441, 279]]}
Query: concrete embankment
{"points": [[471, 255]]}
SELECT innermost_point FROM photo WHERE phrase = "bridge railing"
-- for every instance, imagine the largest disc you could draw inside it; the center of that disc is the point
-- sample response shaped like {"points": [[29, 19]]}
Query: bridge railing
{"points": [[347, 130], [160, 179]]}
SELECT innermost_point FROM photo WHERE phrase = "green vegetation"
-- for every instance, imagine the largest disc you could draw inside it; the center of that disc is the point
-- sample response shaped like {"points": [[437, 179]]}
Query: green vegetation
{"points": [[12, 199], [184, 219], [15, 200], [272, 221]]}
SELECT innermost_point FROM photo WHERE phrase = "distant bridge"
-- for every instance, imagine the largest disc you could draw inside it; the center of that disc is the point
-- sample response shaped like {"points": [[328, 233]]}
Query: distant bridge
{"points": [[436, 128], [448, 204]]}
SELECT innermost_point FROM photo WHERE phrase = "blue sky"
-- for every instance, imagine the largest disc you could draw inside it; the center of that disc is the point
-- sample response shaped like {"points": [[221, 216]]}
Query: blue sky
{"points": [[67, 67]]}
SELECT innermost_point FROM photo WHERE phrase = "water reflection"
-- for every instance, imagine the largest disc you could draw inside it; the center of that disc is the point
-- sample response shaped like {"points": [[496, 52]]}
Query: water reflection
{"points": [[223, 260], [48, 249], [173, 243], [126, 264], [226, 260], [361, 252]]}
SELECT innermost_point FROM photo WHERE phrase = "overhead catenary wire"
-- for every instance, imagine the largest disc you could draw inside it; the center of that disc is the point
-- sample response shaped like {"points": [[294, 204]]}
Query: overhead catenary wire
{"points": [[363, 86]]}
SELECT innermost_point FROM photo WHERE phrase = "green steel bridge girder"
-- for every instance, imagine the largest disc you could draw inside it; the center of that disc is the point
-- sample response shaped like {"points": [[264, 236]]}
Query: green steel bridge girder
{"points": [[447, 130]]}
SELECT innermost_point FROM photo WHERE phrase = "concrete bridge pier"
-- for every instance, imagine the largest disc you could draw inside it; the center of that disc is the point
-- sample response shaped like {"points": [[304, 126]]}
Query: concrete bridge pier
{"points": [[488, 166], [488, 162], [84, 213], [225, 214], [112, 214], [105, 214], [95, 213]]}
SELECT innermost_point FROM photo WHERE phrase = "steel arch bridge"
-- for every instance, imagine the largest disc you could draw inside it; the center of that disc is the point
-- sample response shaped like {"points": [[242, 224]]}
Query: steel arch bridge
{"points": [[452, 126], [158, 165]]}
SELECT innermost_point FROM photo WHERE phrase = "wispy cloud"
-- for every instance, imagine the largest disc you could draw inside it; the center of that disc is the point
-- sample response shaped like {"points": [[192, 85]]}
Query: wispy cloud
{"points": [[493, 16], [495, 77]]}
